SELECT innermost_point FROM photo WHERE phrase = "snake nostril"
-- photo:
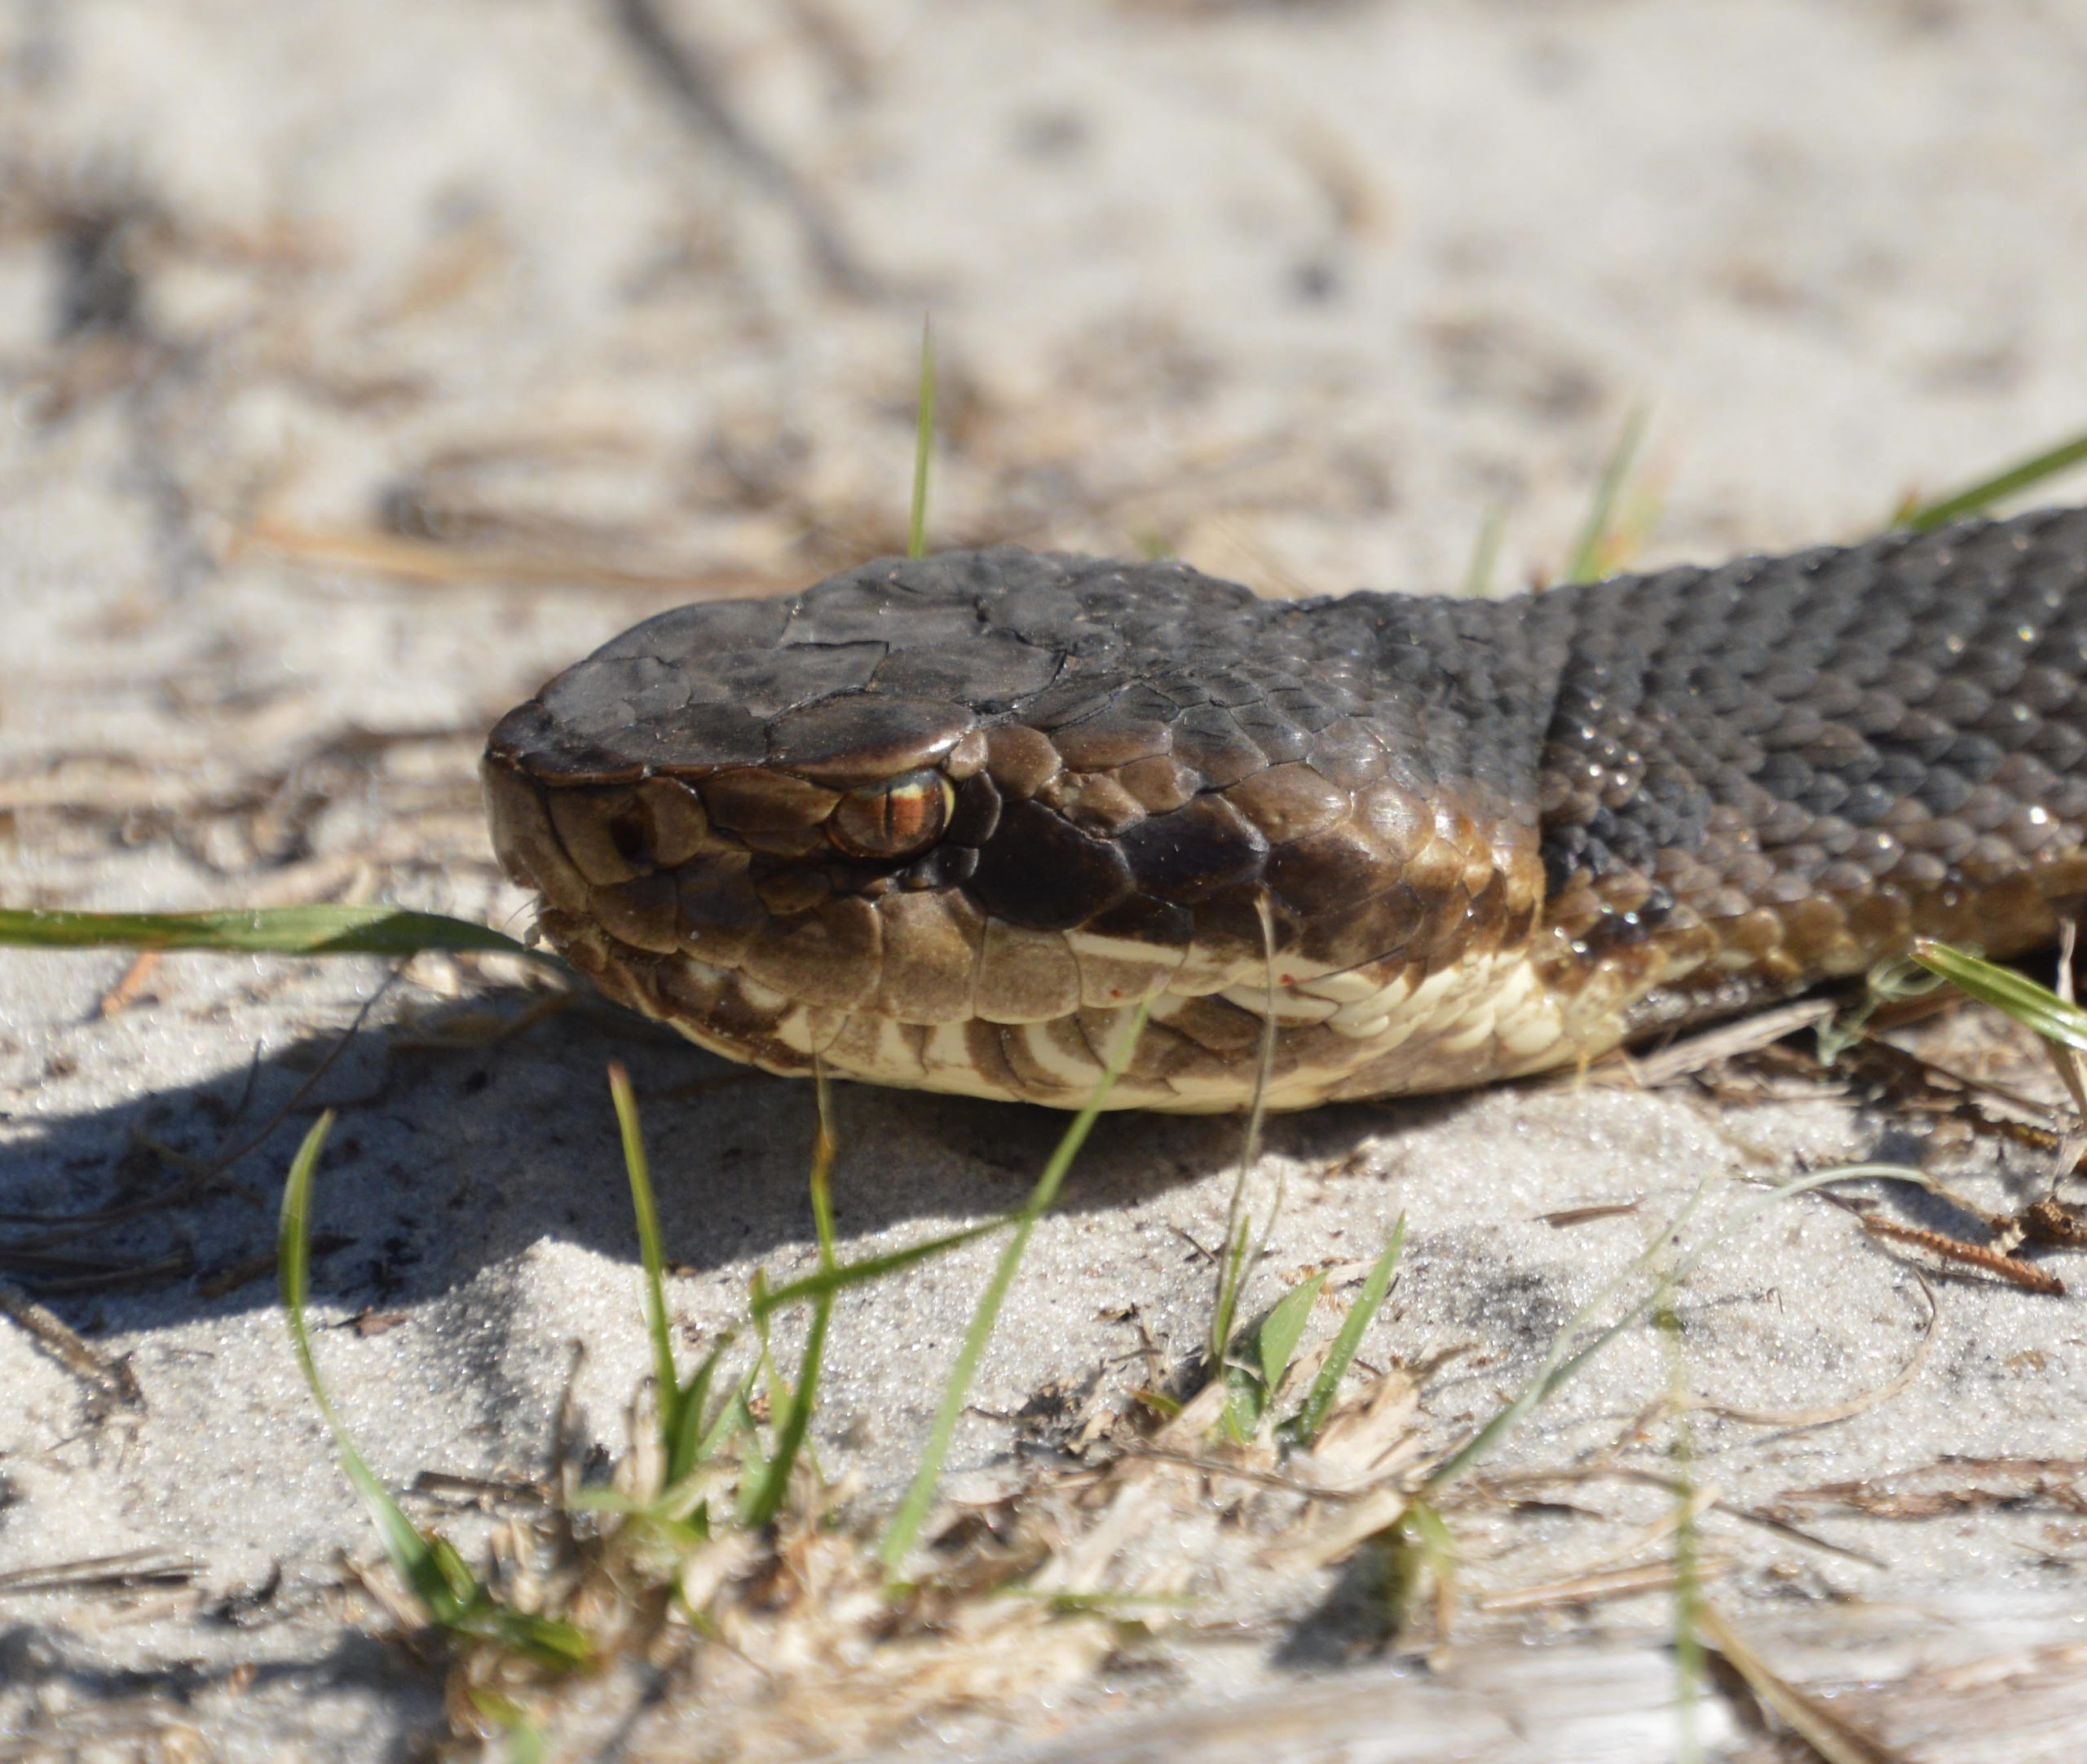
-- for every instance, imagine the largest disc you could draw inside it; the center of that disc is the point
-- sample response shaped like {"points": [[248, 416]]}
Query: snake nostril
{"points": [[627, 834]]}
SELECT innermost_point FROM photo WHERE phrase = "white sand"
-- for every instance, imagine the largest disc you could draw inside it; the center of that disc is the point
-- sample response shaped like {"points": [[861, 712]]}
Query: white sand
{"points": [[1302, 292]]}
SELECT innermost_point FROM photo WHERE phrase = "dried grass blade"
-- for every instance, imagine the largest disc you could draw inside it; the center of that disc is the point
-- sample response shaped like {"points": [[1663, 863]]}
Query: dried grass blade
{"points": [[1825, 1731], [1589, 553]]}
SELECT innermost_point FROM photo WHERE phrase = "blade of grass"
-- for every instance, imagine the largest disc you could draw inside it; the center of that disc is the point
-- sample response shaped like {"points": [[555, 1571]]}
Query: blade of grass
{"points": [[1563, 1362], [773, 1486], [913, 1509], [1252, 1387], [446, 1588], [685, 1450], [1236, 1263], [370, 930], [1422, 1550], [1586, 563], [924, 443], [1485, 554], [1819, 1727], [873, 1268], [1275, 1342], [666, 1380], [525, 1739], [402, 1542], [2035, 1006], [1925, 517], [733, 1419], [1898, 977], [1326, 1386]]}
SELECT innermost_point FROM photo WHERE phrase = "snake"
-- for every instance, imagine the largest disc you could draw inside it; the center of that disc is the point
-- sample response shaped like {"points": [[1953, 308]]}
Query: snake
{"points": [[950, 822]]}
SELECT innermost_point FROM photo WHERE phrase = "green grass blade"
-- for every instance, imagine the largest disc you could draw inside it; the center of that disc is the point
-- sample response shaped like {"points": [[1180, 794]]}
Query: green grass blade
{"points": [[825, 1148], [1245, 1401], [1276, 1341], [1348, 1342], [408, 1551], [453, 1597], [1231, 1279], [923, 446], [843, 1274], [735, 1418], [1588, 553], [1975, 498], [1562, 1363], [666, 1379], [2035, 1006], [1423, 1551], [772, 1486], [525, 1739], [913, 1509], [550, 1642], [1235, 1265], [1485, 554], [685, 1450], [371, 930], [795, 1422]]}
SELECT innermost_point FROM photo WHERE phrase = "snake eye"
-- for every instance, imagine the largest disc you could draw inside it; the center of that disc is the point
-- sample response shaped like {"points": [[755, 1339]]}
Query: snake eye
{"points": [[892, 819]]}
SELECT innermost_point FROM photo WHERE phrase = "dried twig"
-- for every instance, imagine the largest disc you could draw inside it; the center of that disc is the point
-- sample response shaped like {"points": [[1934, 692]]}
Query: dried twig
{"points": [[1612, 1583], [136, 978], [1818, 1726], [111, 1384], [2024, 1274], [130, 1570], [1681, 1489], [1685, 1058], [1261, 1479]]}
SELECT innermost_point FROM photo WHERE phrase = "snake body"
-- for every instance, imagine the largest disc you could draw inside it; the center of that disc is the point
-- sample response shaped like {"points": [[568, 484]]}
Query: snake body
{"points": [[943, 822]]}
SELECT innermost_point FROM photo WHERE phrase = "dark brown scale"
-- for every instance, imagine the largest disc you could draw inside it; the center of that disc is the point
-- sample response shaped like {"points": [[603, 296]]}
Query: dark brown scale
{"points": [[1040, 872]]}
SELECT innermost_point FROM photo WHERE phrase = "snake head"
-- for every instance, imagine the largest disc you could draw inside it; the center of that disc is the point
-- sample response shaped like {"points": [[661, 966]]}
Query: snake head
{"points": [[941, 822]]}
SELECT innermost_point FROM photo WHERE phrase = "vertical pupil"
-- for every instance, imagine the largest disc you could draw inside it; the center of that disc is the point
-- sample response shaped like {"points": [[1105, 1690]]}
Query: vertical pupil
{"points": [[891, 819]]}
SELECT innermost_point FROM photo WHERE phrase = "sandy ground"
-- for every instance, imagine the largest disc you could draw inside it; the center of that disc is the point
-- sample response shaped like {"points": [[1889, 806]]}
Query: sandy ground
{"points": [[360, 366]]}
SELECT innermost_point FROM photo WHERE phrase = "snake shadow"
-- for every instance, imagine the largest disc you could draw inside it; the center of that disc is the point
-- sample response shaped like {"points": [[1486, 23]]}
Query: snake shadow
{"points": [[445, 1163]]}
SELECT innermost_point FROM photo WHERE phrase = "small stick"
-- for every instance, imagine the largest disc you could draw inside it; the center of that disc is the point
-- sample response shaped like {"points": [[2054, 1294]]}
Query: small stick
{"points": [[111, 1384], [136, 978], [2024, 1274], [1612, 1583]]}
